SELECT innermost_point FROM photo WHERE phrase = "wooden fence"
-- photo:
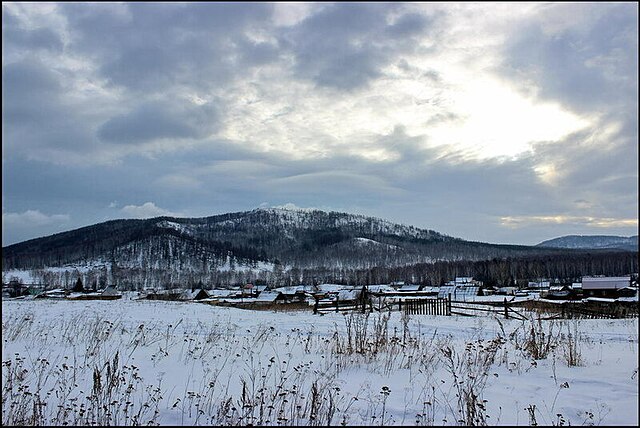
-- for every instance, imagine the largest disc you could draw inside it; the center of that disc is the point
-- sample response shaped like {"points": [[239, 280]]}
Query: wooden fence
{"points": [[448, 307], [502, 309], [429, 306], [590, 310], [340, 306], [436, 306]]}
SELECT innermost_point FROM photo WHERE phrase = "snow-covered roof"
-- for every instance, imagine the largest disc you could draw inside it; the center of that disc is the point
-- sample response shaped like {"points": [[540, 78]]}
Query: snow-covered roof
{"points": [[192, 294], [348, 294], [458, 292], [111, 291], [75, 295], [539, 284], [605, 283], [293, 289], [599, 299], [332, 288], [222, 292], [409, 287], [55, 291], [381, 288], [267, 296]]}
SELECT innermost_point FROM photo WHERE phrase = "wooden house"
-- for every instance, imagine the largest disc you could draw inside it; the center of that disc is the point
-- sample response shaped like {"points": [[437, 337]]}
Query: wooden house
{"points": [[611, 287], [197, 294]]}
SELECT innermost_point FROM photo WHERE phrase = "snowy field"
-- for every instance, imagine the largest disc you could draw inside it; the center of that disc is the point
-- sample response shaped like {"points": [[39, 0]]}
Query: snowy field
{"points": [[131, 362]]}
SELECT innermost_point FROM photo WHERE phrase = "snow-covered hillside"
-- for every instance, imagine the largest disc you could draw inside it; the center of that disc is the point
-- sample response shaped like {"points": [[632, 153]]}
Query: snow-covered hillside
{"points": [[168, 363], [593, 241], [266, 244]]}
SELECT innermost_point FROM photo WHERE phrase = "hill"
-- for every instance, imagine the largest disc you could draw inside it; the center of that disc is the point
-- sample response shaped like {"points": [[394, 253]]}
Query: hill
{"points": [[593, 242], [243, 246]]}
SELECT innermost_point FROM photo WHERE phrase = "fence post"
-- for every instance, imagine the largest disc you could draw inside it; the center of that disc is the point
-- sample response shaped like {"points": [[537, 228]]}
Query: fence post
{"points": [[449, 305], [400, 304], [337, 304], [506, 309]]}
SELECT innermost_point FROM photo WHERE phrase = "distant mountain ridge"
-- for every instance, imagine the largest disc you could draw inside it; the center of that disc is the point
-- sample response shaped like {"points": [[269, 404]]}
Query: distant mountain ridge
{"points": [[593, 242], [239, 246], [292, 237]]}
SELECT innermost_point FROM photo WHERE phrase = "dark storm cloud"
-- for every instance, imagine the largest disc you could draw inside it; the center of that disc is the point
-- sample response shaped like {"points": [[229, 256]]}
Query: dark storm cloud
{"points": [[345, 45], [155, 120], [28, 84], [147, 46], [131, 111], [587, 66], [407, 25], [37, 117], [586, 169], [17, 38]]}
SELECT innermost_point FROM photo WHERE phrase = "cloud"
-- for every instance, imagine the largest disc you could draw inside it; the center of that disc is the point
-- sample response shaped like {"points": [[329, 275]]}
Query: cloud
{"points": [[148, 47], [588, 60], [291, 207], [20, 38], [30, 85], [443, 116], [40, 118], [344, 46], [522, 221], [179, 182], [146, 210], [161, 120], [32, 218], [18, 226]]}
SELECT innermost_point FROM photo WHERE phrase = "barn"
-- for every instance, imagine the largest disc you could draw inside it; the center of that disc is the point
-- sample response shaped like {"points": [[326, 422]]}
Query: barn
{"points": [[606, 286]]}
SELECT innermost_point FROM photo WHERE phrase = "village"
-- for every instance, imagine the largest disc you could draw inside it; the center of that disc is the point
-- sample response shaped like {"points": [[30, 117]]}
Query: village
{"points": [[594, 297]]}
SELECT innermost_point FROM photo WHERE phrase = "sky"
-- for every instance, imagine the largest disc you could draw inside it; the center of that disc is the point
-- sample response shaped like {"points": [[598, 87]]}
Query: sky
{"points": [[496, 122]]}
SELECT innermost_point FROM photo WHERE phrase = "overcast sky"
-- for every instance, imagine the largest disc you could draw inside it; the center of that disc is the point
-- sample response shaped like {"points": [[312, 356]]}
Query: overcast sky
{"points": [[503, 123]]}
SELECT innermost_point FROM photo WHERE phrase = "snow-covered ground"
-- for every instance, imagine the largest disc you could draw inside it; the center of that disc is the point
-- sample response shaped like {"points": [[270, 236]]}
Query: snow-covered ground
{"points": [[125, 361]]}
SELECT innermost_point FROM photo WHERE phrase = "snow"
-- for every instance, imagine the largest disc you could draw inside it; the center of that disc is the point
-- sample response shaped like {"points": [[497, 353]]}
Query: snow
{"points": [[409, 287], [331, 288], [381, 288], [182, 228], [267, 296], [33, 276], [366, 241], [217, 292], [201, 354], [256, 267], [298, 217], [293, 289], [23, 276]]}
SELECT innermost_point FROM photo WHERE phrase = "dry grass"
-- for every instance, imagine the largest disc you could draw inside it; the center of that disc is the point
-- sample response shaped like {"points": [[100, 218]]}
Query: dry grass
{"points": [[264, 375]]}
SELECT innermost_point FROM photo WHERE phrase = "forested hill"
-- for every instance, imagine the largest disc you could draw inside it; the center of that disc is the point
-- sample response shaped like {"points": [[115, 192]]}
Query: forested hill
{"points": [[593, 242], [265, 237]]}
